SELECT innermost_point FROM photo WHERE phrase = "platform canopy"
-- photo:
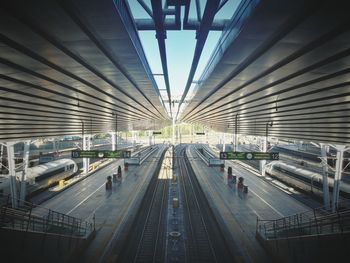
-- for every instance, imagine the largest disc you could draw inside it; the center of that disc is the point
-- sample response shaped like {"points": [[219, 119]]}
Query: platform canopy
{"points": [[64, 63], [280, 65], [280, 62]]}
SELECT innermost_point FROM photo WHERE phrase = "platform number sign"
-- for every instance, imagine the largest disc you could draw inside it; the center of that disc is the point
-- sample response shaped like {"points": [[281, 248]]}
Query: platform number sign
{"points": [[249, 155], [75, 154], [126, 154], [275, 156], [223, 155]]}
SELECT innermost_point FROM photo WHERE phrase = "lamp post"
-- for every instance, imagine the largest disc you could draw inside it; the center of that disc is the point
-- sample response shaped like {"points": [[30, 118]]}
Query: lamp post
{"points": [[269, 123]]}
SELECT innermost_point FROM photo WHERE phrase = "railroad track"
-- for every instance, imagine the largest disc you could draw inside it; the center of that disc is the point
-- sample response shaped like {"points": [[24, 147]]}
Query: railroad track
{"points": [[146, 241], [205, 240]]}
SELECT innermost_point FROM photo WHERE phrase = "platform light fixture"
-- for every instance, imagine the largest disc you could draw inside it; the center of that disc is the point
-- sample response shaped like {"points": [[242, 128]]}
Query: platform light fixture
{"points": [[269, 123]]}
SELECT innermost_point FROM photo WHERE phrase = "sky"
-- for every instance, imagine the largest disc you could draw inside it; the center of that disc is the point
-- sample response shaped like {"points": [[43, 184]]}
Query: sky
{"points": [[180, 47]]}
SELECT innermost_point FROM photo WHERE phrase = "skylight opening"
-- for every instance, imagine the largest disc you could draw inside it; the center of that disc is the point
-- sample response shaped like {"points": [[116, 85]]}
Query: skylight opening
{"points": [[180, 47]]}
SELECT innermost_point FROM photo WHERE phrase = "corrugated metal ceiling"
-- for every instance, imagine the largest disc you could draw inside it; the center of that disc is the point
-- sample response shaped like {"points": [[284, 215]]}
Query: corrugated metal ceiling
{"points": [[287, 63], [67, 62]]}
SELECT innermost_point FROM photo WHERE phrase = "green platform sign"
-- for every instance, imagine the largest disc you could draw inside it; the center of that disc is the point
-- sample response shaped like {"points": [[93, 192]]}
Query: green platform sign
{"points": [[101, 154], [249, 155], [157, 132], [200, 133]]}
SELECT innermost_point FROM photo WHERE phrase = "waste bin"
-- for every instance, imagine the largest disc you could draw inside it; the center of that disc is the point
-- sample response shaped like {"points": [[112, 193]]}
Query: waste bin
{"points": [[234, 179], [245, 189], [222, 167]]}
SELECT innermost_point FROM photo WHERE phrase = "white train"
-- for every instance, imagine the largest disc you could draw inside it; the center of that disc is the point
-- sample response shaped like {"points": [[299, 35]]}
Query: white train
{"points": [[303, 179], [43, 175]]}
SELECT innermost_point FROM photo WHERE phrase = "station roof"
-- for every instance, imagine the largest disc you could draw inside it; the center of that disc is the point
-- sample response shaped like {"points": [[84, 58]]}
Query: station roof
{"points": [[64, 63], [285, 62]]}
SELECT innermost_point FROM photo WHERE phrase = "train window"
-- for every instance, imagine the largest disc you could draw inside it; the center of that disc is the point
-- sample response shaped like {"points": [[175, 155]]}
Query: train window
{"points": [[49, 174], [71, 167]]}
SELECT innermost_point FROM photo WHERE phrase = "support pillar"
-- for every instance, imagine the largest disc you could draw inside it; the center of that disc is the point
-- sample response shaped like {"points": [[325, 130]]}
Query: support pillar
{"points": [[86, 147], [23, 191], [207, 135], [149, 138], [12, 173], [325, 175], [177, 134], [113, 136], [223, 143], [192, 131], [173, 135], [179, 130], [1, 156], [133, 138], [337, 176], [235, 138], [263, 162], [55, 145]]}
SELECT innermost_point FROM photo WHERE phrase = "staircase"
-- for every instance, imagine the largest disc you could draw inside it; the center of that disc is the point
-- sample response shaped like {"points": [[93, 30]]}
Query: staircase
{"points": [[315, 235], [31, 231], [35, 218], [316, 222]]}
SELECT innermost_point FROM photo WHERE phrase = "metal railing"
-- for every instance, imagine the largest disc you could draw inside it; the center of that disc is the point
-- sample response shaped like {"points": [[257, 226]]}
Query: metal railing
{"points": [[316, 222], [141, 156], [32, 217], [209, 158]]}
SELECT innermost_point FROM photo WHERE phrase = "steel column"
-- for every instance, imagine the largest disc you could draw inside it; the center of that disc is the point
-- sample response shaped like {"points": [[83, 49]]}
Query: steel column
{"points": [[1, 156], [116, 131], [264, 148], [337, 176], [158, 18], [173, 135], [263, 162], [133, 138], [86, 146], [23, 192], [202, 34], [325, 175], [85, 160], [113, 135], [12, 173], [149, 138], [235, 140], [223, 142]]}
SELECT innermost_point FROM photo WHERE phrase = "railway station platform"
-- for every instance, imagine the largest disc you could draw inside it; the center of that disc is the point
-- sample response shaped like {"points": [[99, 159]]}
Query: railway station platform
{"points": [[110, 210], [238, 212]]}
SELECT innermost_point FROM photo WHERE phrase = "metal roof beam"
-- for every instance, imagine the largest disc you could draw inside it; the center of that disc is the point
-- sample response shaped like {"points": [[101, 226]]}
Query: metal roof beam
{"points": [[144, 24], [158, 17], [202, 34]]}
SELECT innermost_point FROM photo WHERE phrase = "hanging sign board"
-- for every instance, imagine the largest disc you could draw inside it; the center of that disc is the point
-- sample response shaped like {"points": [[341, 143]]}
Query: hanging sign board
{"points": [[249, 155], [101, 154]]}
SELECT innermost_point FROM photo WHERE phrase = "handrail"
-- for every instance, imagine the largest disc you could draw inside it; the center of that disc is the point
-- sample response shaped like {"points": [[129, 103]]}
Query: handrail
{"points": [[310, 222], [38, 218], [209, 158], [147, 154], [141, 156]]}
